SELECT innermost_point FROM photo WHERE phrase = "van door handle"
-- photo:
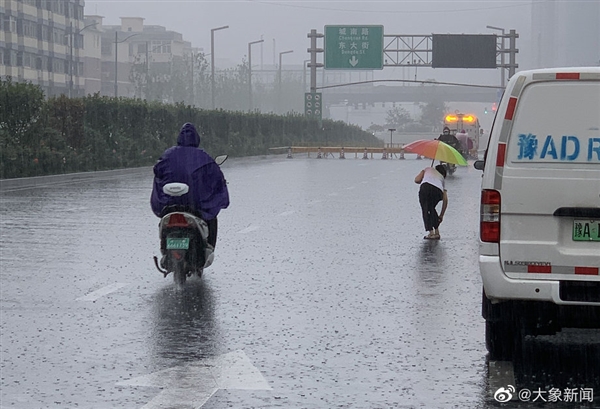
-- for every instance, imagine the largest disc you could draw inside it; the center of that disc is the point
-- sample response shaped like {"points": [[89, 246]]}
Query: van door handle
{"points": [[584, 212]]}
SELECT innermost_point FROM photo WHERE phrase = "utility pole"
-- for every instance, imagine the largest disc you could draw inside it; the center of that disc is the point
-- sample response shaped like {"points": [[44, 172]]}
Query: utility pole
{"points": [[512, 48], [313, 50]]}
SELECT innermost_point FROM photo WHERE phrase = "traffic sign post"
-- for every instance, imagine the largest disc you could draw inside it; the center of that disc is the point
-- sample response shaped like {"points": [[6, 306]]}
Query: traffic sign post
{"points": [[313, 105], [354, 47]]}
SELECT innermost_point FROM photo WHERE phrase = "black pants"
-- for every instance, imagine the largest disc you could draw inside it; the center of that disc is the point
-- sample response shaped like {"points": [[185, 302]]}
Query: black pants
{"points": [[429, 197], [212, 232]]}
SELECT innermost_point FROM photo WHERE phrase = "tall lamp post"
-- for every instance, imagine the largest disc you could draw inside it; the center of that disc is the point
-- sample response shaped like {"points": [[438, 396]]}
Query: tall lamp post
{"points": [[212, 63], [116, 55], [391, 133], [279, 75], [501, 53], [71, 45], [250, 72]]}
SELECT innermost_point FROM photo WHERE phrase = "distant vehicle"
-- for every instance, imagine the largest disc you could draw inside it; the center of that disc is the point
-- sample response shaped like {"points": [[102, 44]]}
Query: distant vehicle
{"points": [[458, 122], [539, 249]]}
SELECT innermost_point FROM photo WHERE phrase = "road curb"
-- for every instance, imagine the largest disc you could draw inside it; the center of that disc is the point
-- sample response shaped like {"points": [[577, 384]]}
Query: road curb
{"points": [[39, 181]]}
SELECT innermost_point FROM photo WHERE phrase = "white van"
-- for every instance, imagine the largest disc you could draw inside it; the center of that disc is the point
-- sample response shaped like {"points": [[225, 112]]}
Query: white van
{"points": [[539, 252]]}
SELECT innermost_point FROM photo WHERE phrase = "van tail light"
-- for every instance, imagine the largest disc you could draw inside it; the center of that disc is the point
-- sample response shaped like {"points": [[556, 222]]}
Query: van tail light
{"points": [[489, 228]]}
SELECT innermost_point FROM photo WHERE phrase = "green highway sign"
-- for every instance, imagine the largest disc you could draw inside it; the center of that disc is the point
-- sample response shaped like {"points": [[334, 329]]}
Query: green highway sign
{"points": [[313, 106], [354, 47]]}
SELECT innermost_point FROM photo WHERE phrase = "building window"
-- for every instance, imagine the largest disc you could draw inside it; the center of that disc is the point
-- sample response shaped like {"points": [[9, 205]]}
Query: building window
{"points": [[29, 29], [6, 59], [161, 47], [10, 24], [107, 46], [27, 60], [79, 41], [59, 65]]}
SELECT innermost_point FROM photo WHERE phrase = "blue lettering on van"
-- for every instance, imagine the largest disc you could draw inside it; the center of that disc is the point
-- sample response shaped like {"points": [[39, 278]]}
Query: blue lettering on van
{"points": [[527, 146], [567, 150], [549, 148], [592, 148], [564, 147]]}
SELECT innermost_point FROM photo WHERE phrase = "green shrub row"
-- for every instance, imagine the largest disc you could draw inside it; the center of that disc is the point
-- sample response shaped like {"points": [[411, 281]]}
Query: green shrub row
{"points": [[40, 136]]}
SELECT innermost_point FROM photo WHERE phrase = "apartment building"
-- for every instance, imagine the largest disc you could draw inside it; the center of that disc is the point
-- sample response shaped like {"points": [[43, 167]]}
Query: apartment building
{"points": [[134, 54], [52, 44], [41, 42]]}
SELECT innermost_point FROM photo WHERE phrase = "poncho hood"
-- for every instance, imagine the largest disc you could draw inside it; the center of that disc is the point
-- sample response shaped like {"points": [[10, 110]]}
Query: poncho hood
{"points": [[188, 136]]}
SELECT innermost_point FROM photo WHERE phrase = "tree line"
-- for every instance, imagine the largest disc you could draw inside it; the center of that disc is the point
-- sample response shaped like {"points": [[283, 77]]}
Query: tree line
{"points": [[44, 136]]}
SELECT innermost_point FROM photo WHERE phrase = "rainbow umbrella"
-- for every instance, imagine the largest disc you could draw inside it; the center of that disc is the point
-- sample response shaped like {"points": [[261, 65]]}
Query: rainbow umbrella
{"points": [[436, 150]]}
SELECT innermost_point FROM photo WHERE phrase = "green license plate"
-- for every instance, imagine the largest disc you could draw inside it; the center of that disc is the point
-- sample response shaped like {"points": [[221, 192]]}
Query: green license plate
{"points": [[178, 244], [586, 230]]}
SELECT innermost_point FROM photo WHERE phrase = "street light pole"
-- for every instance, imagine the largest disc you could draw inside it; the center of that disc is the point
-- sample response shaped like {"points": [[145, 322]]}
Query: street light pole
{"points": [[116, 60], [212, 63], [501, 53], [391, 133], [71, 45], [250, 72], [279, 75]]}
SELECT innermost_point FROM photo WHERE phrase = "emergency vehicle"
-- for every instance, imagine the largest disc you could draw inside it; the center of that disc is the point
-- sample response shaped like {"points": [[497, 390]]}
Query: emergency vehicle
{"points": [[467, 122]]}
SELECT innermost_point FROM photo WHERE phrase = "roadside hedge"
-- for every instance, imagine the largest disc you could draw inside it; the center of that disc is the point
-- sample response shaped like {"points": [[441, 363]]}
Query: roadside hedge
{"points": [[40, 136]]}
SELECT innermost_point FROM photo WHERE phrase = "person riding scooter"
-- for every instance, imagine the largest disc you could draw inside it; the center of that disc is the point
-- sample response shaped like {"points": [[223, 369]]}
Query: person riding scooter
{"points": [[450, 139], [187, 163]]}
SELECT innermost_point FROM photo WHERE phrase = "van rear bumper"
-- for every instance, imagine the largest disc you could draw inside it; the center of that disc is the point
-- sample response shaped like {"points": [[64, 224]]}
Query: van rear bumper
{"points": [[499, 287]]}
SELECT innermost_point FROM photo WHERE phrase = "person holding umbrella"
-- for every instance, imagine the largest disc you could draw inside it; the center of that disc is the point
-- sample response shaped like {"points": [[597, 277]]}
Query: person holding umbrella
{"points": [[432, 180], [431, 192]]}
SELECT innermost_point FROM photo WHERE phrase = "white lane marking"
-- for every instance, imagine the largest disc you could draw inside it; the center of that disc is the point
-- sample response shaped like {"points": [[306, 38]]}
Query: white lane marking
{"points": [[287, 213], [249, 229], [333, 194], [350, 188], [94, 295], [191, 386]]}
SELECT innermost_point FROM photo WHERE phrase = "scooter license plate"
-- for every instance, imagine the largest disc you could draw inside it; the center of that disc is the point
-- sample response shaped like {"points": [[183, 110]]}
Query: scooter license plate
{"points": [[178, 243]]}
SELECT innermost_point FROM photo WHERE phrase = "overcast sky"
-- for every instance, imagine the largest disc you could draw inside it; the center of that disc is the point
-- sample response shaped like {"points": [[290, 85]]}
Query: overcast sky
{"points": [[284, 25]]}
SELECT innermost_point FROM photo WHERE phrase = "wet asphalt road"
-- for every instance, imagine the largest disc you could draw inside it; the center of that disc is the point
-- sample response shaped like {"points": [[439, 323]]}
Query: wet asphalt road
{"points": [[323, 294]]}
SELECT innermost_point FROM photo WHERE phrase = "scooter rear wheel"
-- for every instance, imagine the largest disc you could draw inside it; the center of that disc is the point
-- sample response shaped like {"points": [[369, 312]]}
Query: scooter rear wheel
{"points": [[179, 273]]}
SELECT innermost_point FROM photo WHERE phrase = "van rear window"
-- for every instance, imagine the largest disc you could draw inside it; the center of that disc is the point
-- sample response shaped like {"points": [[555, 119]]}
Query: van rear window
{"points": [[556, 122]]}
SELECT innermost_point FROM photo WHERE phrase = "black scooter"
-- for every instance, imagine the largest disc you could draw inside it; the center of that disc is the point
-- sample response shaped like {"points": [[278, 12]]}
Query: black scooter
{"points": [[183, 238]]}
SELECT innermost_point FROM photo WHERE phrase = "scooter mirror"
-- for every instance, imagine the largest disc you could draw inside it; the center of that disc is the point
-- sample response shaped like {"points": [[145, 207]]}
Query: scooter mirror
{"points": [[220, 159]]}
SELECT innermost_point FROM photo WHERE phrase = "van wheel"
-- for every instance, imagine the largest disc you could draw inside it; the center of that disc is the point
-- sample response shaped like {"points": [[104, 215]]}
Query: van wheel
{"points": [[500, 340]]}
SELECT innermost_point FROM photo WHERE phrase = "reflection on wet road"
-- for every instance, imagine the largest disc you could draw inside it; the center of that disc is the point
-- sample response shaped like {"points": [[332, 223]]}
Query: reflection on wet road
{"points": [[323, 294]]}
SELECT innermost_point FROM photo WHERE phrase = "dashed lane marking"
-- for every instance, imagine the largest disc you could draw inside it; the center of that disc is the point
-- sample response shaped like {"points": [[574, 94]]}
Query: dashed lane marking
{"points": [[94, 295]]}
